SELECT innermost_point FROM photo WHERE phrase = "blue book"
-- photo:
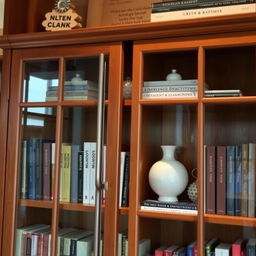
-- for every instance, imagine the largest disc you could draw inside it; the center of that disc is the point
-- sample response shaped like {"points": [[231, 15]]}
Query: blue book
{"points": [[238, 180], [74, 173], [230, 180], [31, 168], [190, 249]]}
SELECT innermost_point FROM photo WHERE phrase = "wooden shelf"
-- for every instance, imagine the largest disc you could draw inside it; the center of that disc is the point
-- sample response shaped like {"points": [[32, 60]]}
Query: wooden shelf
{"points": [[164, 101], [124, 211], [166, 215], [77, 207], [230, 220], [36, 203]]}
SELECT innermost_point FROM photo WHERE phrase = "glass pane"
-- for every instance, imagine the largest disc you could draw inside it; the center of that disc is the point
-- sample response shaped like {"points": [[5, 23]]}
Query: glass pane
{"points": [[40, 80], [78, 169], [170, 75], [37, 151], [81, 79], [230, 71]]}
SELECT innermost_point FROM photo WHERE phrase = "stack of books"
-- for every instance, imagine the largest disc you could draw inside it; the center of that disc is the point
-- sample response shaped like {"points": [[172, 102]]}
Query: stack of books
{"points": [[85, 90], [170, 89], [223, 93], [189, 9]]}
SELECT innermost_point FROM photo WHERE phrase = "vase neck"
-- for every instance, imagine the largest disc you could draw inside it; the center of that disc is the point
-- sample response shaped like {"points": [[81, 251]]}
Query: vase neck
{"points": [[168, 152]]}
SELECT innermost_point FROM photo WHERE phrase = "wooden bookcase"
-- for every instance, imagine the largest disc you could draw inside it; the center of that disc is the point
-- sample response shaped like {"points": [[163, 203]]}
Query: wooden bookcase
{"points": [[219, 52]]}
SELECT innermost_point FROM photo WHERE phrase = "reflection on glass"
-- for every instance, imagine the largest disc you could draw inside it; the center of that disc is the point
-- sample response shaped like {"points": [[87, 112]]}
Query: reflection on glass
{"points": [[40, 82], [37, 153], [81, 79]]}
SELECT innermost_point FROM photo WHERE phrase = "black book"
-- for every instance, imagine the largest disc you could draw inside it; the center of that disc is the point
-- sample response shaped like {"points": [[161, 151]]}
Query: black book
{"points": [[80, 176], [125, 189]]}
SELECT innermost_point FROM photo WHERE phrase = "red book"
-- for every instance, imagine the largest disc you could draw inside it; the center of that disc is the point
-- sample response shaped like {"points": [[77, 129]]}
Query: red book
{"points": [[170, 250], [238, 247], [210, 179], [160, 251], [221, 180]]}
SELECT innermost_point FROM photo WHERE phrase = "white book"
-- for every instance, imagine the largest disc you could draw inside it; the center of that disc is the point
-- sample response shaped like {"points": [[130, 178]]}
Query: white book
{"points": [[49, 244], [61, 233], [52, 166], [121, 176], [203, 12], [119, 244], [173, 210], [222, 249], [185, 82], [104, 173], [34, 244], [161, 95], [92, 185], [84, 246], [170, 88], [87, 166], [144, 247], [251, 180]]}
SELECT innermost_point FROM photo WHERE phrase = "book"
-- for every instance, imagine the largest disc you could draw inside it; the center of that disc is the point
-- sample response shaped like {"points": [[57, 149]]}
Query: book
{"points": [[221, 180], [92, 185], [87, 167], [80, 176], [190, 248], [175, 205], [251, 180], [73, 243], [160, 251], [144, 247], [180, 252], [244, 198], [238, 247], [222, 93], [121, 175], [210, 246], [251, 247], [203, 12], [169, 251], [230, 180], [172, 88], [126, 178], [194, 4], [60, 242], [73, 93], [85, 246], [74, 173], [169, 210], [185, 82], [238, 180], [210, 179], [77, 97], [157, 95], [65, 185], [23, 172], [223, 249]]}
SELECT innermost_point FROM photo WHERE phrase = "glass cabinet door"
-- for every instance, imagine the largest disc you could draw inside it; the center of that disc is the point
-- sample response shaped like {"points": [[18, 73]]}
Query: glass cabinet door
{"points": [[61, 153]]}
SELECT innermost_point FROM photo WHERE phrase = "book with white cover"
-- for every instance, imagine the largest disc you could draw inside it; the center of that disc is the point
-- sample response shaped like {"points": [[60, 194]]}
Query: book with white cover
{"points": [[121, 176], [170, 88], [187, 82], [84, 246], [222, 249], [144, 247], [87, 167], [92, 185], [172, 210], [160, 95], [203, 12]]}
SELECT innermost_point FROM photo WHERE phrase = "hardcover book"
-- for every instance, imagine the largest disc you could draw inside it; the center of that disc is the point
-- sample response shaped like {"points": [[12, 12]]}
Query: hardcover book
{"points": [[244, 199]]}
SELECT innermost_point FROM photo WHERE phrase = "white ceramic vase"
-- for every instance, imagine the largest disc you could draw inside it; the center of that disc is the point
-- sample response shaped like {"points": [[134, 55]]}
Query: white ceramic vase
{"points": [[168, 177]]}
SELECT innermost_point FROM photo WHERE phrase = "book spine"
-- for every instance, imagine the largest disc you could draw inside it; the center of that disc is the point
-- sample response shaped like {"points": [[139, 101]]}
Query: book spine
{"points": [[39, 171], [125, 191], [86, 189], [52, 167], [188, 206], [121, 176], [221, 180], [210, 179], [74, 173], [24, 173], [203, 12], [238, 180], [170, 88], [92, 185], [150, 95], [47, 171], [80, 176], [231, 180], [251, 180], [194, 4], [244, 201], [173, 210], [31, 168]]}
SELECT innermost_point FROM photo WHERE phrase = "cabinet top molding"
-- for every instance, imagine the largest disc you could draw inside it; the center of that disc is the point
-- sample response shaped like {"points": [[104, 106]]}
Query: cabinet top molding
{"points": [[156, 30]]}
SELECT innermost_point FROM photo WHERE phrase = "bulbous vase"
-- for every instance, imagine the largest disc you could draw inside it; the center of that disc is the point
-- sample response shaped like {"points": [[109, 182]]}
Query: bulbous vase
{"points": [[168, 177]]}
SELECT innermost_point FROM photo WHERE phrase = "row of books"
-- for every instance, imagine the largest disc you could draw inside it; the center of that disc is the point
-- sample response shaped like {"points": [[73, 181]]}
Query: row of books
{"points": [[212, 247], [77, 177], [189, 9], [230, 179], [36, 240]]}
